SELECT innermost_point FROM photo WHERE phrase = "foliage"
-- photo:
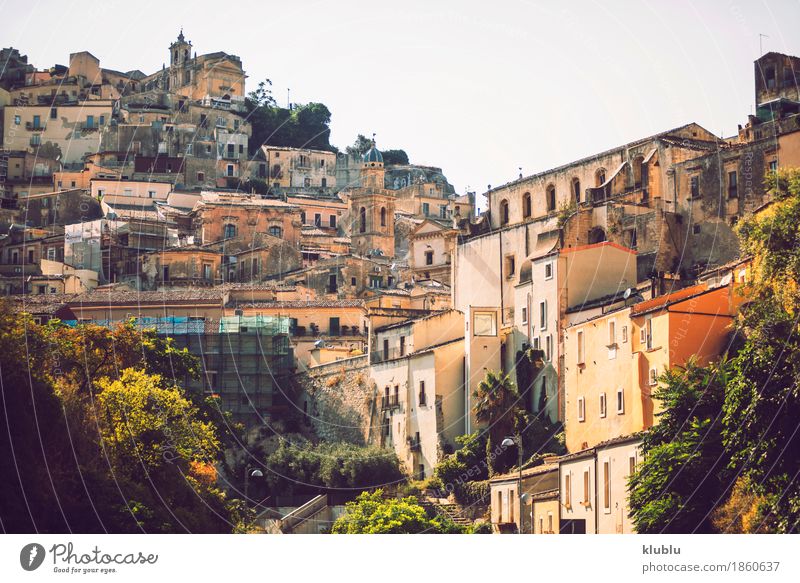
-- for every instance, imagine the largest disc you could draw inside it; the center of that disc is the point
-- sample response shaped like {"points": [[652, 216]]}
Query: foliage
{"points": [[743, 512], [498, 405], [360, 146], [565, 211], [394, 157], [466, 465], [308, 468], [683, 473], [371, 513], [301, 126], [107, 440]]}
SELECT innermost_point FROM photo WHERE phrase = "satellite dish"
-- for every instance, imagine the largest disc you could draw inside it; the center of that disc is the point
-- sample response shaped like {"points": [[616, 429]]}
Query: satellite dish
{"points": [[628, 293]]}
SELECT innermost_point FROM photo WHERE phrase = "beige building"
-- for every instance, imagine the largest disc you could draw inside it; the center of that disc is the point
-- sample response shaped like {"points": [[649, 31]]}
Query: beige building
{"points": [[417, 368], [431, 249], [300, 170], [539, 486]]}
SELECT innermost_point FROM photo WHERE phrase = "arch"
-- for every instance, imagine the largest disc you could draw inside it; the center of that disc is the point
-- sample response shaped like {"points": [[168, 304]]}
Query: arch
{"points": [[504, 212], [362, 218], [597, 235], [599, 177], [576, 189], [383, 216], [229, 231], [526, 205], [551, 198]]}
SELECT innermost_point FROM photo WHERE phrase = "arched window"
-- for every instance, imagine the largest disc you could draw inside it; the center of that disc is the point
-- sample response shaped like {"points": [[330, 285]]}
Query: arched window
{"points": [[383, 216], [600, 177], [275, 231], [551, 198], [362, 217], [638, 162], [526, 205], [503, 212], [230, 231], [576, 190]]}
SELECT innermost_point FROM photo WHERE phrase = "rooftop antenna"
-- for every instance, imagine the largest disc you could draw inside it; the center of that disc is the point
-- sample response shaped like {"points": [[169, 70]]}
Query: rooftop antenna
{"points": [[520, 171], [760, 43], [288, 98]]}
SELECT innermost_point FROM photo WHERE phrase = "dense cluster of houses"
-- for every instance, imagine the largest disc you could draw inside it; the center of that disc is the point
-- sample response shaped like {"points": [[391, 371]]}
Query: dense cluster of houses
{"points": [[129, 196]]}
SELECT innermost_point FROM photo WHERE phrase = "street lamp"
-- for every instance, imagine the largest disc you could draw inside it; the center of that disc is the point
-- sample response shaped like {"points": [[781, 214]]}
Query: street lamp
{"points": [[250, 472], [508, 442]]}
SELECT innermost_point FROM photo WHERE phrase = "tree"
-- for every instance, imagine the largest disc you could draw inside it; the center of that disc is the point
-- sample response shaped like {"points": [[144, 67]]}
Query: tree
{"points": [[394, 157], [464, 467], [371, 513], [683, 472], [360, 146], [499, 406]]}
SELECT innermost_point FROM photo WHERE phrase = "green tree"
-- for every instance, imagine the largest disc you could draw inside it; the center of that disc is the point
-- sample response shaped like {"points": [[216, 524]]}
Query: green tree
{"points": [[394, 157], [683, 472], [360, 146], [465, 467], [371, 513], [499, 406]]}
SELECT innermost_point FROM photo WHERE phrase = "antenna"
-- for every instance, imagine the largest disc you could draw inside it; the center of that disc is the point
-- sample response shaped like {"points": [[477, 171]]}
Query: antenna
{"points": [[760, 45], [288, 98]]}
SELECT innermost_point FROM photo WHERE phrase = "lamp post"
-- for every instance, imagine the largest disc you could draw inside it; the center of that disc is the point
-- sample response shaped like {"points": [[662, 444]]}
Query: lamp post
{"points": [[508, 442], [250, 472]]}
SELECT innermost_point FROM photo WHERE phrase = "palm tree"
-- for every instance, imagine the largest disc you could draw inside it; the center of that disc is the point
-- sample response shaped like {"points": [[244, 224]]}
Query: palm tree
{"points": [[497, 404]]}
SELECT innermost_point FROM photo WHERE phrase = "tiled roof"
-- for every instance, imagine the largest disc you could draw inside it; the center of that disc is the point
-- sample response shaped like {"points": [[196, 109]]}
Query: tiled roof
{"points": [[116, 296], [664, 301], [294, 304], [527, 472], [38, 304]]}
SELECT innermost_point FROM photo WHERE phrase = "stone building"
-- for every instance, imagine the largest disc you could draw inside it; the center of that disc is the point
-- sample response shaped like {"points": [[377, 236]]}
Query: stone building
{"points": [[372, 210]]}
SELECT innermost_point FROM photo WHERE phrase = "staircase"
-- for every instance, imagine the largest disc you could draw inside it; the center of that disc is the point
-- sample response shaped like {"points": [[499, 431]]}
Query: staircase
{"points": [[445, 509]]}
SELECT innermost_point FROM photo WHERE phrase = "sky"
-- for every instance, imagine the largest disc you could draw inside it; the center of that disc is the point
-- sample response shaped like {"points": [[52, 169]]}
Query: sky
{"points": [[479, 89]]}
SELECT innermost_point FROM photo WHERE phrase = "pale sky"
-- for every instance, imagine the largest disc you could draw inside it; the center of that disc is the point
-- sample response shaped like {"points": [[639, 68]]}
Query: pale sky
{"points": [[477, 88]]}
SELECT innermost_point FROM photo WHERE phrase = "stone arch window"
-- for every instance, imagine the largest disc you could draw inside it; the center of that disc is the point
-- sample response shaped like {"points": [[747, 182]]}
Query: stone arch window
{"points": [[599, 177], [362, 218], [503, 212], [229, 231], [383, 216], [576, 190], [638, 163], [176, 56], [185, 54], [526, 205], [551, 198]]}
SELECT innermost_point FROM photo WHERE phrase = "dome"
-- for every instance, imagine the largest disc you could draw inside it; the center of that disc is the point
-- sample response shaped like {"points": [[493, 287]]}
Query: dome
{"points": [[373, 155]]}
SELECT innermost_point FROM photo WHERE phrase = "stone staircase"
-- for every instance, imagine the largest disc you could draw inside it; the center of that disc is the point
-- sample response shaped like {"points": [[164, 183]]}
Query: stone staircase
{"points": [[446, 509]]}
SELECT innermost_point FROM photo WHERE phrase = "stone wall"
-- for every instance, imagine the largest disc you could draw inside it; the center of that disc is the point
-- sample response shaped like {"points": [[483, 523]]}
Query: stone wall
{"points": [[340, 401]]}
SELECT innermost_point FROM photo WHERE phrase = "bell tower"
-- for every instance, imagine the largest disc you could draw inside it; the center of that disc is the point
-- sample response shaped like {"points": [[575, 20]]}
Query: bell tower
{"points": [[372, 209]]}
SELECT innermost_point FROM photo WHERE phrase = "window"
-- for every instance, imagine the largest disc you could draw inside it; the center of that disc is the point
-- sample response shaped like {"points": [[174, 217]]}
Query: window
{"points": [[89, 121], [526, 205], [653, 377], [353, 281], [317, 220], [733, 186], [426, 209], [581, 348], [612, 333], [581, 409], [624, 334], [201, 176], [207, 271], [603, 408], [484, 324], [102, 120], [503, 212], [511, 505], [541, 525], [53, 113], [275, 231], [510, 266], [254, 266], [230, 169], [600, 177], [770, 77], [241, 148], [773, 166], [524, 315], [428, 257], [620, 401], [543, 315], [649, 334], [332, 221], [550, 523], [576, 190], [151, 193], [551, 198], [694, 187], [362, 216], [442, 211], [17, 120], [36, 139], [383, 216], [37, 122], [548, 271], [402, 347], [568, 491], [422, 393], [631, 465], [386, 357], [548, 352], [229, 231], [499, 506], [586, 490], [230, 151], [606, 487]]}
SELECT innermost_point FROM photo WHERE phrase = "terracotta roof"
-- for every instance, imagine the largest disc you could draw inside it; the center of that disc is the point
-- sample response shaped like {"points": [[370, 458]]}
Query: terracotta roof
{"points": [[38, 304], [117, 296], [664, 301], [295, 304], [526, 473]]}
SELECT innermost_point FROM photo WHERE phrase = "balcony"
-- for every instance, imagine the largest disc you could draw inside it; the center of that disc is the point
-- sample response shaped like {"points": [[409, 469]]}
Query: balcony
{"points": [[35, 127], [414, 445], [377, 356], [390, 402]]}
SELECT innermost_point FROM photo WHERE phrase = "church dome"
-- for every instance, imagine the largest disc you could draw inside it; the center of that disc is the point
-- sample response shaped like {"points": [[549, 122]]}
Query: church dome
{"points": [[373, 155]]}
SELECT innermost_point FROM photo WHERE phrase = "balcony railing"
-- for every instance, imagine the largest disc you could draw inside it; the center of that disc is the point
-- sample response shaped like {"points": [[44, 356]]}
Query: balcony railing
{"points": [[381, 356], [390, 402], [29, 125]]}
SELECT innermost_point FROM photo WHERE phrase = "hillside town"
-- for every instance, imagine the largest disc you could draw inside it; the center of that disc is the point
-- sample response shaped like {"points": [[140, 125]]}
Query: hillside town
{"points": [[359, 298]]}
